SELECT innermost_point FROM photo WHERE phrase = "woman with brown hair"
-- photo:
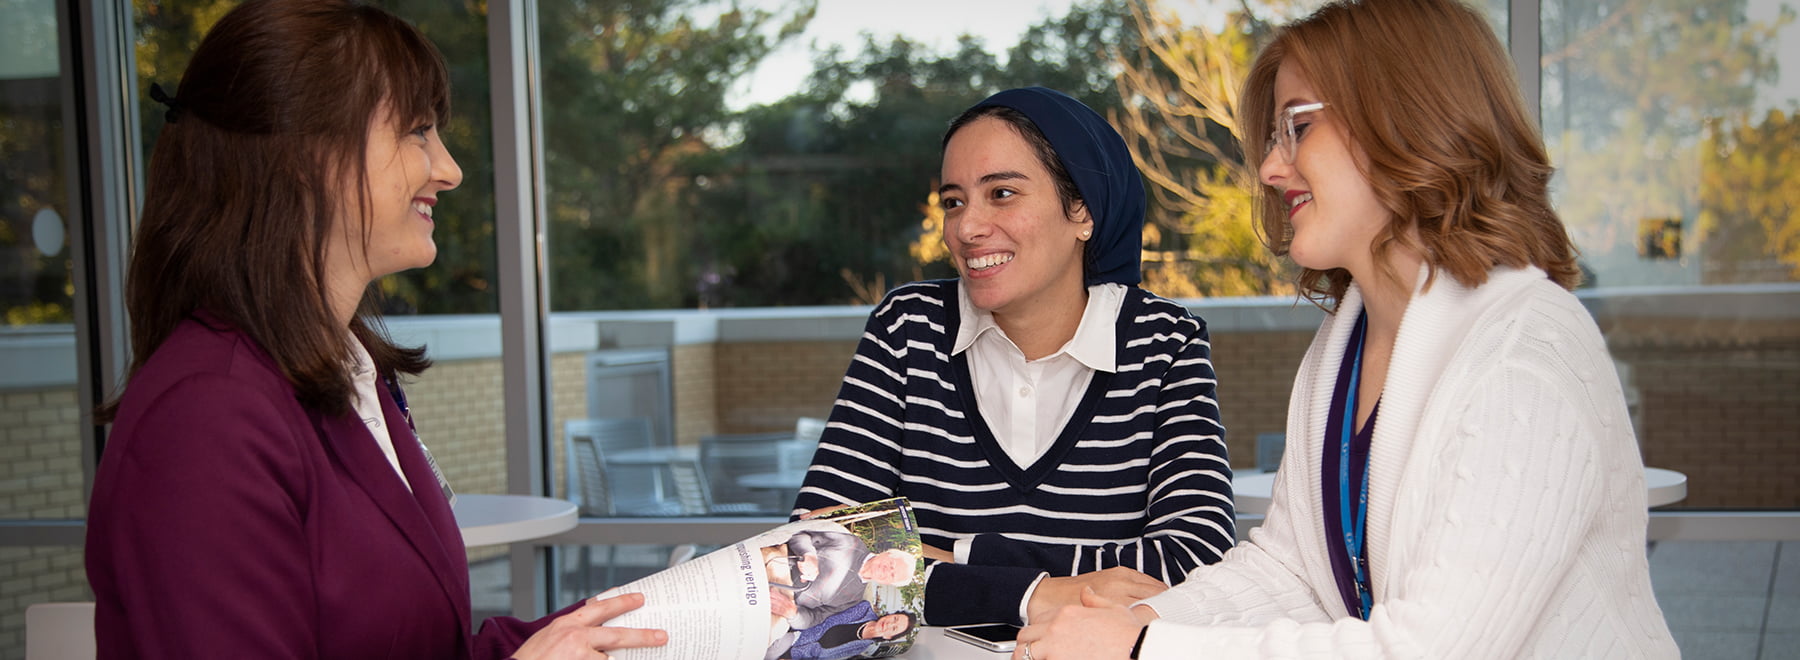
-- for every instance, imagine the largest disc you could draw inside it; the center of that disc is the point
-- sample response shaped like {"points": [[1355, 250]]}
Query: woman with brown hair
{"points": [[1461, 478], [263, 494]]}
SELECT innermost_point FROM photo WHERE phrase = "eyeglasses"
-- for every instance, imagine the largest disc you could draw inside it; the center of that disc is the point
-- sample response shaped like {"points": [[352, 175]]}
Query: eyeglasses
{"points": [[1290, 126]]}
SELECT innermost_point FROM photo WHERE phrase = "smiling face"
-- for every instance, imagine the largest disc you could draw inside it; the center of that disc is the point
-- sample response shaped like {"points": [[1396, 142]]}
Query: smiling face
{"points": [[1004, 225], [887, 627], [407, 166], [893, 568], [1331, 206]]}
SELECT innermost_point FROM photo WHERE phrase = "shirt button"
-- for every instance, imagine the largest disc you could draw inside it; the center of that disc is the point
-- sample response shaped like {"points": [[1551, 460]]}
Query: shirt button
{"points": [[1025, 391]]}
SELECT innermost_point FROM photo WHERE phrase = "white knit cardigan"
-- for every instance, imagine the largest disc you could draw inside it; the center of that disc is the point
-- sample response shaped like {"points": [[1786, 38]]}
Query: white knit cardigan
{"points": [[1506, 500]]}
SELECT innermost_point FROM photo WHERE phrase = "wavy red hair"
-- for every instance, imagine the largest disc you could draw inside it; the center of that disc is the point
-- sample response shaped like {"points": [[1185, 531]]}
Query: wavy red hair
{"points": [[1424, 90]]}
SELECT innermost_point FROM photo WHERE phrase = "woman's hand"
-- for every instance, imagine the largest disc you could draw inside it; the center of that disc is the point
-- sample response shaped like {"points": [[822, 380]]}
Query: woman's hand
{"points": [[939, 554], [579, 634], [1114, 584], [1095, 628]]}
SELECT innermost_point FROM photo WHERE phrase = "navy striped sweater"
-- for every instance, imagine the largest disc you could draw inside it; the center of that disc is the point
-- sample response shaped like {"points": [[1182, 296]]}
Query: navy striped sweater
{"points": [[1138, 478]]}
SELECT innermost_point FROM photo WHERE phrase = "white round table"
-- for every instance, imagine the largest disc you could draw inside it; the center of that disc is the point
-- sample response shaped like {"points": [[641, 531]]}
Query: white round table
{"points": [[1253, 490], [786, 480], [1664, 486], [496, 519], [654, 455]]}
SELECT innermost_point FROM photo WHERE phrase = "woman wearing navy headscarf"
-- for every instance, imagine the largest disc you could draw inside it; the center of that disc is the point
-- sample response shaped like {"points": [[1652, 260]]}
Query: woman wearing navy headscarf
{"points": [[1055, 427]]}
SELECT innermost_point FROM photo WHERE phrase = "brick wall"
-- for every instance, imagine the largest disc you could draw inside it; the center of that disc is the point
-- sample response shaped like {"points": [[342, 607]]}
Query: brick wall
{"points": [[40, 455], [568, 396], [765, 386], [1256, 371], [40, 478], [695, 370], [30, 575], [1720, 402]]}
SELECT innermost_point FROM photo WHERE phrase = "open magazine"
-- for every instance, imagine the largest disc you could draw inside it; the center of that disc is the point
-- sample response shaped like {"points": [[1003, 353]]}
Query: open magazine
{"points": [[848, 584]]}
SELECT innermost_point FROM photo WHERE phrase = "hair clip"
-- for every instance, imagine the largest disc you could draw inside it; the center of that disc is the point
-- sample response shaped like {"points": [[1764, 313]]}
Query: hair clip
{"points": [[157, 94]]}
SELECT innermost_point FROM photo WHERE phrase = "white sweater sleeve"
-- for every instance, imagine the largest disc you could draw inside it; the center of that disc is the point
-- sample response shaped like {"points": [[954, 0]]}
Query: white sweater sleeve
{"points": [[1486, 529], [1256, 581]]}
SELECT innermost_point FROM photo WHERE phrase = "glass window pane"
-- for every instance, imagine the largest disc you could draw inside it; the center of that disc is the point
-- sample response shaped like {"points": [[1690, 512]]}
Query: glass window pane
{"points": [[1672, 129], [39, 410], [41, 475], [1499, 15]]}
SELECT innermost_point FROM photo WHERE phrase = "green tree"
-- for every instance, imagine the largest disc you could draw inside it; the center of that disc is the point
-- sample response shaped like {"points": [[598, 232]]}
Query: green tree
{"points": [[1749, 220], [829, 180], [460, 281], [1629, 87], [633, 93], [1180, 86], [35, 288], [852, 162]]}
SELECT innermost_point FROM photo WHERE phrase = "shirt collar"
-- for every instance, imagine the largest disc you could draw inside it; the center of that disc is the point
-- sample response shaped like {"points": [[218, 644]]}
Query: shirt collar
{"points": [[1095, 341]]}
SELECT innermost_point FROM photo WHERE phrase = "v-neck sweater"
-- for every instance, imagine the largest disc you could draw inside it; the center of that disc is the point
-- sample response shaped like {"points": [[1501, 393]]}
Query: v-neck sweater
{"points": [[1139, 476]]}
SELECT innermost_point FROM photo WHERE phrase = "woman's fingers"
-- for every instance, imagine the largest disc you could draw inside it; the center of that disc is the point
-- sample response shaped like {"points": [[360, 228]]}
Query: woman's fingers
{"points": [[1092, 598], [608, 639], [598, 610], [1027, 635]]}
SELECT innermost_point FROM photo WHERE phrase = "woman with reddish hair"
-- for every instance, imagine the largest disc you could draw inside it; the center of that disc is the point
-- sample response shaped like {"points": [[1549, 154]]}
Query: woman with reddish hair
{"points": [[1461, 479]]}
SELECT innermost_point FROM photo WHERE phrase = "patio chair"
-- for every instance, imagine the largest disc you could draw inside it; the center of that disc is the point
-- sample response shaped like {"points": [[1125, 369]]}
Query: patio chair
{"points": [[602, 489], [695, 493], [726, 458]]}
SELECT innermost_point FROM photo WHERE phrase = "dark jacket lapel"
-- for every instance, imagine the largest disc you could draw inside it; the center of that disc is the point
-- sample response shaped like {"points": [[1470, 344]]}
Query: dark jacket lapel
{"points": [[422, 515]]}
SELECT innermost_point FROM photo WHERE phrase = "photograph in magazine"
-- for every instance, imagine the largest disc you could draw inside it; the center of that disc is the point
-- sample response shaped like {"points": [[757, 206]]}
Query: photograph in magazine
{"points": [[848, 584]]}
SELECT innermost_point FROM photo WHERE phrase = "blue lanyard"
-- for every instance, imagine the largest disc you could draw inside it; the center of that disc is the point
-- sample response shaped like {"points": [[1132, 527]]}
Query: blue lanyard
{"points": [[1354, 522], [405, 412]]}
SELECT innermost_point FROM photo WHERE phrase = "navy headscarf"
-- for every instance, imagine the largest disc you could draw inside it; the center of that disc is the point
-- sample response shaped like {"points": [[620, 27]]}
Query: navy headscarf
{"points": [[1096, 158]]}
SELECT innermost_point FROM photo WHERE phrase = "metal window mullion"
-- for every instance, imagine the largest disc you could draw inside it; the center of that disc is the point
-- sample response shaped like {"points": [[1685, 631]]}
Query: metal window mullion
{"points": [[518, 197], [103, 182], [1525, 41]]}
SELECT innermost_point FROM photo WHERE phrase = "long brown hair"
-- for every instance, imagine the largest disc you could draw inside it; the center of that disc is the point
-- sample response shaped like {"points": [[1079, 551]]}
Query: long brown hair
{"points": [[247, 180], [1424, 89]]}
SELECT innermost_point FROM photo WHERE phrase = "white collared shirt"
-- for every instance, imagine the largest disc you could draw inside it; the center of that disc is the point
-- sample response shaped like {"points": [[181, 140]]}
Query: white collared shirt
{"points": [[368, 405], [1027, 403]]}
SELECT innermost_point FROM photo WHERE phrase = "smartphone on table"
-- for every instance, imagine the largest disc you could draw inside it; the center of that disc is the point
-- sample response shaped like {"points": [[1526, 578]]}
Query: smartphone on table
{"points": [[996, 637]]}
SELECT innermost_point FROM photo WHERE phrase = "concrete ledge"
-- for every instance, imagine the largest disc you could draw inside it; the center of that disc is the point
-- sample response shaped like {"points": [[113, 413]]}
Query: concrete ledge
{"points": [[37, 357]]}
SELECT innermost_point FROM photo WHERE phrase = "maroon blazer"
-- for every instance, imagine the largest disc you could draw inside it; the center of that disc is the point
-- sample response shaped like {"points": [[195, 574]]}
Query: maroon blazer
{"points": [[229, 522]]}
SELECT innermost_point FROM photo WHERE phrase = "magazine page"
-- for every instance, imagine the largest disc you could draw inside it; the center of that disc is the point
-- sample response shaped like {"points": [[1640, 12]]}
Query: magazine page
{"points": [[848, 584]]}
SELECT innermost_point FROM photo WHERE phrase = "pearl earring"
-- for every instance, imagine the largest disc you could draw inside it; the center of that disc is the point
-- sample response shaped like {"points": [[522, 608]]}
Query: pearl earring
{"points": [[1085, 233]]}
